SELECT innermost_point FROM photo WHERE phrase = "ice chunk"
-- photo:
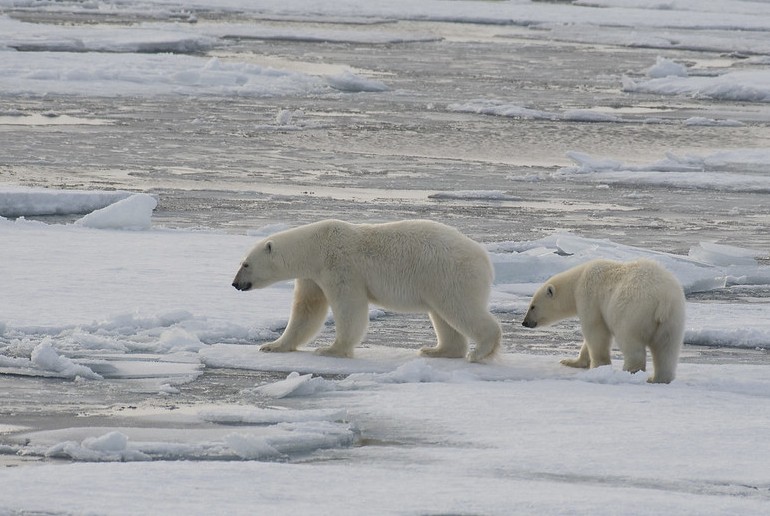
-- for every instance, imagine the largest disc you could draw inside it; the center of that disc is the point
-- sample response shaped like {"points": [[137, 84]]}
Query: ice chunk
{"points": [[720, 254], [296, 385], [178, 339], [587, 164], [111, 442], [711, 122], [352, 83], [665, 68], [587, 115], [45, 357], [134, 212], [251, 447], [111, 447]]}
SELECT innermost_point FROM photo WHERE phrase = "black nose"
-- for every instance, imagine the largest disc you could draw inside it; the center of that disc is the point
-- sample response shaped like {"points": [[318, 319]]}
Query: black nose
{"points": [[528, 324], [242, 286]]}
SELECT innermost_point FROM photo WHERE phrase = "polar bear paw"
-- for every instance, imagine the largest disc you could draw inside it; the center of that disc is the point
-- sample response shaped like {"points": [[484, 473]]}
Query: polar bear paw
{"points": [[275, 347], [479, 356], [575, 362], [437, 352], [334, 351]]}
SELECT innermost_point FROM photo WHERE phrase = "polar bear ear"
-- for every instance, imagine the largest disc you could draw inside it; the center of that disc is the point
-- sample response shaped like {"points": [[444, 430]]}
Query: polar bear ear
{"points": [[269, 247], [550, 291]]}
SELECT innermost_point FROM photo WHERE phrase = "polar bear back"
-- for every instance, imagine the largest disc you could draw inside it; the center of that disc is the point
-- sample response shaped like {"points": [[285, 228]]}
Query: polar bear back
{"points": [[639, 294], [408, 265]]}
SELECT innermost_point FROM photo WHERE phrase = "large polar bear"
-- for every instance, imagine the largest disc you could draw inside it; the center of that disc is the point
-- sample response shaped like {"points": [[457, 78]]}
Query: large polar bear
{"points": [[411, 266], [638, 303]]}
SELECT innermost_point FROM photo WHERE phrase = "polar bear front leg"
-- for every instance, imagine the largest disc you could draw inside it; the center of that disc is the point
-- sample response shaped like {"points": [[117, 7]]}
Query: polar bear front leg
{"points": [[598, 340], [583, 360], [308, 314], [595, 351], [351, 318]]}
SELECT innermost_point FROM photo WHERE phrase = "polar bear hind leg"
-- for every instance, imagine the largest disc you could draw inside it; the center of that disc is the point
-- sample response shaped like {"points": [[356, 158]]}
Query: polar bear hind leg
{"points": [[487, 333], [351, 318], [451, 343], [479, 326], [665, 355], [667, 339], [664, 364], [634, 353], [308, 314]]}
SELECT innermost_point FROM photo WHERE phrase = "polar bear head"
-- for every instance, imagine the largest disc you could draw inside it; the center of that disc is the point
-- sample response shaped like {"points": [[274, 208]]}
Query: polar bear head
{"points": [[543, 307], [260, 268], [555, 299], [289, 254]]}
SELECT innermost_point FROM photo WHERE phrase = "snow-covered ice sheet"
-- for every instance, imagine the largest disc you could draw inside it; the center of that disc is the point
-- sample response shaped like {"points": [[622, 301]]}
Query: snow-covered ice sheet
{"points": [[17, 201], [506, 109], [222, 433], [518, 12], [121, 290], [594, 441], [109, 74], [742, 86], [474, 195]]}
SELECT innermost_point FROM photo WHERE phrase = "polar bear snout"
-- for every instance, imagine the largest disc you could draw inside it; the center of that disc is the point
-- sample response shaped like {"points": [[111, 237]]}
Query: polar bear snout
{"points": [[528, 324], [242, 285], [240, 282]]}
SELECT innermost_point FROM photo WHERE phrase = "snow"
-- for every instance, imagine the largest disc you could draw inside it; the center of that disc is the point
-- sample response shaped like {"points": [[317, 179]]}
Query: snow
{"points": [[113, 301], [524, 451]]}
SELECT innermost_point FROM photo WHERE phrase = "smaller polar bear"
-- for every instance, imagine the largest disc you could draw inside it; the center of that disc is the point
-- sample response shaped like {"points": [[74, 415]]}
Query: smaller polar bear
{"points": [[638, 303], [410, 266]]}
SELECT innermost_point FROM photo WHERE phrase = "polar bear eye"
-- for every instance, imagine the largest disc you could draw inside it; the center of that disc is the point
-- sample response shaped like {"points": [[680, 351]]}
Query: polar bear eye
{"points": [[245, 265]]}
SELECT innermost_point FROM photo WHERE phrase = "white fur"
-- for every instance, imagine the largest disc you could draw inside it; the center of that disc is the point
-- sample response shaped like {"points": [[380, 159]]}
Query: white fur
{"points": [[411, 266], [638, 303]]}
